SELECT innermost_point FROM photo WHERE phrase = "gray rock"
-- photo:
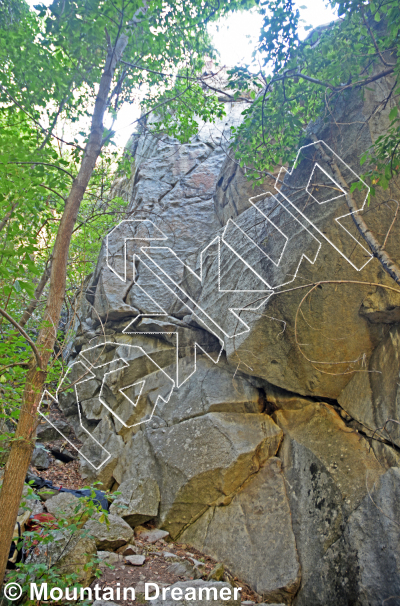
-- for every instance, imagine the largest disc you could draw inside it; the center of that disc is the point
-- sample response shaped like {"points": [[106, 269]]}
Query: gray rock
{"points": [[129, 549], [66, 505], [253, 536], [135, 560], [361, 562], [136, 460], [152, 536], [373, 397], [47, 433], [213, 388], [40, 458], [204, 461], [204, 594], [234, 190], [105, 434], [104, 603], [109, 536], [171, 557], [182, 569], [109, 557], [70, 554], [138, 501]]}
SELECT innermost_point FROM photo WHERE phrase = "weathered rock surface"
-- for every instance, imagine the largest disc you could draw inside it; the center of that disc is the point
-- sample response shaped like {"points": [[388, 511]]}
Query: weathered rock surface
{"points": [[109, 536], [151, 536], [253, 535], [361, 567], [204, 461], [66, 505], [372, 397], [70, 554], [274, 460], [46, 432], [343, 455], [40, 459], [138, 501]]}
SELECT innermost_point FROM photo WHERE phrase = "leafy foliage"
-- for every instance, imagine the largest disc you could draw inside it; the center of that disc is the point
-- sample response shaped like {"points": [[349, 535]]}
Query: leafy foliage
{"points": [[301, 81], [51, 61], [53, 570]]}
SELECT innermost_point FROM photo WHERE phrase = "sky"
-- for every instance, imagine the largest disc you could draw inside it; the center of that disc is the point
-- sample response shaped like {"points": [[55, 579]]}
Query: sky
{"points": [[234, 37]]}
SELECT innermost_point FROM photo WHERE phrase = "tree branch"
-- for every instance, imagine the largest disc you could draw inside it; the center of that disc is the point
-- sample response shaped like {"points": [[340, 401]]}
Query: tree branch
{"points": [[25, 335], [377, 250]]}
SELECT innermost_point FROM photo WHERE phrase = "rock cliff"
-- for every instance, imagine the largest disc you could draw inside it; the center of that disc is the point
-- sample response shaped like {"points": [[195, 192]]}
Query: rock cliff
{"points": [[259, 343]]}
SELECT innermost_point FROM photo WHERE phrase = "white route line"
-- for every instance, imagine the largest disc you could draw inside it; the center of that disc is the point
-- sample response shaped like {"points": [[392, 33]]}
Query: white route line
{"points": [[368, 252], [166, 280]]}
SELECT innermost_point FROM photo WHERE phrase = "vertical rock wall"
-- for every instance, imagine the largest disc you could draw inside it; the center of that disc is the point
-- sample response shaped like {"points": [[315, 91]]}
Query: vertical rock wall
{"points": [[269, 454]]}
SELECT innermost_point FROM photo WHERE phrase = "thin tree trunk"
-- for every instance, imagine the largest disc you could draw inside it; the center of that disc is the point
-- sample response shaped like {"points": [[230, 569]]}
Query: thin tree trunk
{"points": [[23, 442], [377, 250]]}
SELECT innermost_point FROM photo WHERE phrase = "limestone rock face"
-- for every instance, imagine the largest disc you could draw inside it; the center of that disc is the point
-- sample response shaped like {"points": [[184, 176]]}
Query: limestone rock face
{"points": [[360, 567], [204, 461], [253, 535], [236, 364]]}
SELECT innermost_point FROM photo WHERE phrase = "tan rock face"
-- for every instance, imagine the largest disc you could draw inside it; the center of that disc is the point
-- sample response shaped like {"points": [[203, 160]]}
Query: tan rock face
{"points": [[253, 535], [372, 397], [344, 454], [204, 461]]}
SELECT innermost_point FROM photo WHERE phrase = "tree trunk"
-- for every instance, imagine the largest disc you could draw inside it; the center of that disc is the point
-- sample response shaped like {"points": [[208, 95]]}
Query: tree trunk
{"points": [[23, 442]]}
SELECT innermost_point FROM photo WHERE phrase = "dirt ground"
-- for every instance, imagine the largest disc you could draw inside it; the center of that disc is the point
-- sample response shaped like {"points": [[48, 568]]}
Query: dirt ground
{"points": [[155, 570]]}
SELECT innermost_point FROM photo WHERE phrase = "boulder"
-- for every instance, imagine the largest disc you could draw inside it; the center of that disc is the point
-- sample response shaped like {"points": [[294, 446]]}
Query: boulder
{"points": [[212, 388], [234, 190], [109, 557], [135, 560], [69, 554], [182, 569], [47, 433], [136, 460], [204, 461], [113, 444], [345, 459], [253, 536], [328, 468], [40, 458], [151, 536], [66, 505], [109, 536], [138, 501], [129, 549]]}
